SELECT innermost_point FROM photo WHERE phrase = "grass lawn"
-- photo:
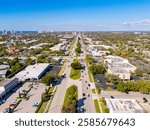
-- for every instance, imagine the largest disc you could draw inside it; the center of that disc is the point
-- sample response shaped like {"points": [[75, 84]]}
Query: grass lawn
{"points": [[61, 70], [89, 72], [42, 108], [96, 106], [75, 74], [90, 76], [103, 106], [71, 93]]}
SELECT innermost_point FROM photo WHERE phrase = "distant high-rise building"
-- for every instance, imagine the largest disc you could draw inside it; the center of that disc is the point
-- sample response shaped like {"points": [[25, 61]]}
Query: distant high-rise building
{"points": [[12, 32], [4, 32], [1, 32], [8, 32]]}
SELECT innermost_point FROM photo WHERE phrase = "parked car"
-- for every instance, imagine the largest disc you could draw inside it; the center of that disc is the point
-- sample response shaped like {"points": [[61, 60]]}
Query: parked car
{"points": [[145, 100], [11, 106], [88, 95], [112, 97], [84, 98], [6, 110], [83, 94], [89, 84], [15, 101], [35, 104]]}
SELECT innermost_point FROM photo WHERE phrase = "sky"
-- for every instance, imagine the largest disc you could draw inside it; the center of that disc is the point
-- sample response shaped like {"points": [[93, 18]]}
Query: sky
{"points": [[75, 15]]}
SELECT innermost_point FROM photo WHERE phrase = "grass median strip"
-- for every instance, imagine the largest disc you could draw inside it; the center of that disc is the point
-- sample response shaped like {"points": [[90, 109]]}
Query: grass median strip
{"points": [[71, 100], [104, 108], [75, 74], [75, 69], [96, 106], [43, 104]]}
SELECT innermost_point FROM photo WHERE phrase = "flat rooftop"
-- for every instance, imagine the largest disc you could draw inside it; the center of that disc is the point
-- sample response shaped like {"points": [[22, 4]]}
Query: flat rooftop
{"points": [[119, 70], [7, 81], [32, 70], [4, 67], [124, 106]]}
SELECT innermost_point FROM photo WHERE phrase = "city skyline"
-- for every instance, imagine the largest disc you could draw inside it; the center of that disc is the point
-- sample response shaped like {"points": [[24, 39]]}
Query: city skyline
{"points": [[75, 15]]}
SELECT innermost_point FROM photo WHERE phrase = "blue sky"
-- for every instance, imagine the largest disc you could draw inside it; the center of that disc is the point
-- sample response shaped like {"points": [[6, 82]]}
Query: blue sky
{"points": [[75, 15]]}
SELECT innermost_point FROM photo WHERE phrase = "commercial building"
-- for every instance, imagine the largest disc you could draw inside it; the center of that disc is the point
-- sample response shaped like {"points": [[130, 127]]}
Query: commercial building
{"points": [[119, 67], [97, 50], [7, 85], [33, 72], [60, 46], [124, 106], [3, 70]]}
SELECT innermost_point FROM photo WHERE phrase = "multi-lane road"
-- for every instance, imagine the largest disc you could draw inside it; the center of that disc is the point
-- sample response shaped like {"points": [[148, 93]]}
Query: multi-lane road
{"points": [[85, 100]]}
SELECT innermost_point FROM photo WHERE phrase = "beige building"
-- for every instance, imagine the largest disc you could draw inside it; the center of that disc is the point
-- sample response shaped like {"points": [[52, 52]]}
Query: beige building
{"points": [[119, 67]]}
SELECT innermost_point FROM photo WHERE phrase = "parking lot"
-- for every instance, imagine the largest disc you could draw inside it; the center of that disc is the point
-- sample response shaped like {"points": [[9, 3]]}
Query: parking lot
{"points": [[25, 105], [28, 106], [12, 96]]}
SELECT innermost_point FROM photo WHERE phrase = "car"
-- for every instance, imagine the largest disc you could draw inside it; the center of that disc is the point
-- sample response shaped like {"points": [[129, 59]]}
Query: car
{"points": [[24, 91], [112, 97], [145, 100], [6, 110], [35, 104], [11, 106], [15, 101], [85, 81], [88, 95], [83, 94], [89, 84], [86, 87], [63, 76], [80, 79]]}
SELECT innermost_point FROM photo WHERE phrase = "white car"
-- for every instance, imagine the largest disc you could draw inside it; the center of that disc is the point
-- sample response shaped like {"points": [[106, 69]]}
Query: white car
{"points": [[35, 104], [15, 101]]}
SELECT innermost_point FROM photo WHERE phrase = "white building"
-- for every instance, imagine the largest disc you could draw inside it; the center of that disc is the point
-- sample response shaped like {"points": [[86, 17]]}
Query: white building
{"points": [[38, 46], [119, 66], [7, 85], [97, 50], [3, 70], [124, 106], [60, 46], [33, 72]]}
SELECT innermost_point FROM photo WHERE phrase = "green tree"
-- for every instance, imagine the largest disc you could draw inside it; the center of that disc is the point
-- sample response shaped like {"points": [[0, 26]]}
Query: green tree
{"points": [[47, 79]]}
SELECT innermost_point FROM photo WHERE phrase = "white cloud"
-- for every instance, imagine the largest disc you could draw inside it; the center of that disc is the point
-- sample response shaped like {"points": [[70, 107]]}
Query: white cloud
{"points": [[140, 23]]}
